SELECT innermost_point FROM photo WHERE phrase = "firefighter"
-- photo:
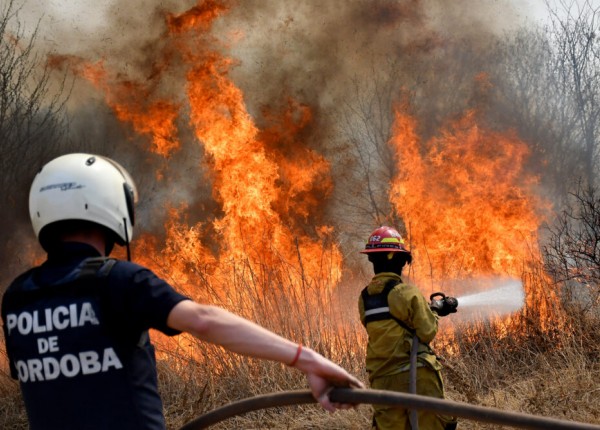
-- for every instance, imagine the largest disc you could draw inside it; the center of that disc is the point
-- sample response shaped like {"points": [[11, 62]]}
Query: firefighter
{"points": [[76, 327], [393, 313]]}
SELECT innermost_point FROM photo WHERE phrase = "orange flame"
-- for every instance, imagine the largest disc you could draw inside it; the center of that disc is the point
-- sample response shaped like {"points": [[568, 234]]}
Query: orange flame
{"points": [[469, 206], [267, 183], [198, 17], [467, 202], [132, 103]]}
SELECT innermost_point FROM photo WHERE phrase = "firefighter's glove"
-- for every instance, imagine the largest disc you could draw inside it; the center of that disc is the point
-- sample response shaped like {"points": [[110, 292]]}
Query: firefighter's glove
{"points": [[442, 305]]}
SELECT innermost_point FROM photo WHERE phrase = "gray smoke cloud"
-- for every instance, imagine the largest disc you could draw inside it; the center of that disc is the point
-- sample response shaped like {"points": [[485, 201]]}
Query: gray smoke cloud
{"points": [[321, 53], [309, 49]]}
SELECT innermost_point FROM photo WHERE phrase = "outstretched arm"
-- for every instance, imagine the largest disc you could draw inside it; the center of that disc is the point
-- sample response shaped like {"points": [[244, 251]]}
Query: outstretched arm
{"points": [[236, 334], [409, 305]]}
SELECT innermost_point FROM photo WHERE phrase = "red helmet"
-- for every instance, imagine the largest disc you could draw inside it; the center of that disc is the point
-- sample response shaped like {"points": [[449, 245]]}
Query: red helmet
{"points": [[385, 239]]}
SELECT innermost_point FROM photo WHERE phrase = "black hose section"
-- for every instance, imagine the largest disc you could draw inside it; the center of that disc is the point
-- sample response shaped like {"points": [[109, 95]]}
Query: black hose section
{"points": [[285, 398], [462, 410], [381, 397]]}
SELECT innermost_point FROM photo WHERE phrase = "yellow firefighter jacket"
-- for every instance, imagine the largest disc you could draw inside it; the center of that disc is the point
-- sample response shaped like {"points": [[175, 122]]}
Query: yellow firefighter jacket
{"points": [[388, 349]]}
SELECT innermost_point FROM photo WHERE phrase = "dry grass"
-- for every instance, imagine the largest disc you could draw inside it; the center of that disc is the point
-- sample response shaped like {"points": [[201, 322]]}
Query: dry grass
{"points": [[530, 368], [546, 377]]}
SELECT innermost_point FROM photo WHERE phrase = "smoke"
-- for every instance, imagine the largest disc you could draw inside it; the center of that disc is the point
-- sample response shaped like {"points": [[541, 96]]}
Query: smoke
{"points": [[314, 50], [325, 55], [309, 50]]}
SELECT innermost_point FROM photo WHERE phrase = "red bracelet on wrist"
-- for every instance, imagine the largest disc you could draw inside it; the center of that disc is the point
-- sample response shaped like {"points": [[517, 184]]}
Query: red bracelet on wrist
{"points": [[298, 352]]}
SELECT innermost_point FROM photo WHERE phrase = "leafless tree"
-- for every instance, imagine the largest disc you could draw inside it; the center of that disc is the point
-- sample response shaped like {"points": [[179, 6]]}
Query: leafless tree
{"points": [[367, 125], [528, 98], [31, 121], [575, 33], [572, 251]]}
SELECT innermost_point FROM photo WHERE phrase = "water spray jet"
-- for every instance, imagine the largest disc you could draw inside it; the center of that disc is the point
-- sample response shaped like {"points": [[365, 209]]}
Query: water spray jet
{"points": [[501, 296]]}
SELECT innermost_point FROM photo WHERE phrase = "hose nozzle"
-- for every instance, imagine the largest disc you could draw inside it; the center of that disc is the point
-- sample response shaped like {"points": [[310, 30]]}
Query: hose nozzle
{"points": [[443, 305]]}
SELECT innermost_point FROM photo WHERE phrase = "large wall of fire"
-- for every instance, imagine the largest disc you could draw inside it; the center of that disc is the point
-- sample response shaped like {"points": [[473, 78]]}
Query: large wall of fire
{"points": [[253, 130]]}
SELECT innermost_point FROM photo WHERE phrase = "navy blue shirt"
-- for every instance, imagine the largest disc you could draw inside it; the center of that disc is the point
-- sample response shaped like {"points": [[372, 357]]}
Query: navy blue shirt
{"points": [[79, 346]]}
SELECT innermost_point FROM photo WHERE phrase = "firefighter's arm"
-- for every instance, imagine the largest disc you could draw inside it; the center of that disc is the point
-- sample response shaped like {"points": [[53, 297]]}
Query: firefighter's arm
{"points": [[236, 334], [425, 321], [409, 305]]}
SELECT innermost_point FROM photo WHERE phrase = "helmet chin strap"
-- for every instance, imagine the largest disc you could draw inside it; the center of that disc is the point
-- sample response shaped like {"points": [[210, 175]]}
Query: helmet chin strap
{"points": [[127, 240]]}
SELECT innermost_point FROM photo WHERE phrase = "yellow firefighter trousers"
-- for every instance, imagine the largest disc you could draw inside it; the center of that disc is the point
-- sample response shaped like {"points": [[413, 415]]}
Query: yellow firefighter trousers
{"points": [[429, 383]]}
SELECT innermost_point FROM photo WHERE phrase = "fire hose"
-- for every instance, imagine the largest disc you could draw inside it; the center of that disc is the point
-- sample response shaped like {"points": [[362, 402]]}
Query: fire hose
{"points": [[382, 397]]}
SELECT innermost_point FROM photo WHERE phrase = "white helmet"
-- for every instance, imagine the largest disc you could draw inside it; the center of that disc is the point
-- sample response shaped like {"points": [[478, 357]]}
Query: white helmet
{"points": [[84, 187]]}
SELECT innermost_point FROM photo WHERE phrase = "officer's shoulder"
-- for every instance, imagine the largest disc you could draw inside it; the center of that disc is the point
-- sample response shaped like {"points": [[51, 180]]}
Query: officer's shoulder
{"points": [[19, 280], [124, 268]]}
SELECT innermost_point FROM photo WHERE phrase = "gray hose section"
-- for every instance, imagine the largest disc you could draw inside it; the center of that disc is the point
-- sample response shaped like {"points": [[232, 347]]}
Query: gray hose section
{"points": [[381, 397], [413, 417]]}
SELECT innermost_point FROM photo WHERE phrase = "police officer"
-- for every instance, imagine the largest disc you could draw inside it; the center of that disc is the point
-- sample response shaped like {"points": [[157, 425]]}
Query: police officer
{"points": [[396, 315], [76, 327]]}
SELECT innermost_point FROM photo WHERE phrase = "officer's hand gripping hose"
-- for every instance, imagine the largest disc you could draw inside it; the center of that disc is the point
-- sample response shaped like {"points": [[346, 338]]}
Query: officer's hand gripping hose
{"points": [[381, 397], [444, 305]]}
